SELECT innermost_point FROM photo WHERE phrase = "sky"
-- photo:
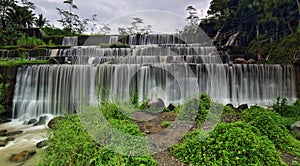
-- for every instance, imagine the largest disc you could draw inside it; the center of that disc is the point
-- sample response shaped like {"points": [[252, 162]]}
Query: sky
{"points": [[164, 15]]}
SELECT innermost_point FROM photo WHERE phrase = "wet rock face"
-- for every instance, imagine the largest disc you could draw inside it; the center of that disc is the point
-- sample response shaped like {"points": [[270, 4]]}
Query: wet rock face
{"points": [[53, 122], [13, 133], [3, 143], [42, 144], [3, 132], [22, 156], [156, 103], [42, 121], [295, 128], [30, 122]]}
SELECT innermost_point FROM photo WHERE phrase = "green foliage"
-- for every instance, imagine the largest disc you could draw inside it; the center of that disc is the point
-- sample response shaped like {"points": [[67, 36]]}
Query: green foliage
{"points": [[165, 123], [8, 47], [136, 27], [29, 42], [279, 52], [115, 45], [20, 62], [194, 108], [272, 125], [229, 144], [53, 31], [284, 109], [2, 95], [69, 144]]}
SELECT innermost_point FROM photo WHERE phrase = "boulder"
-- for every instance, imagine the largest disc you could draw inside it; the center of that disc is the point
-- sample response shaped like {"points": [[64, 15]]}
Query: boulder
{"points": [[3, 143], [3, 133], [156, 103], [53, 122], [42, 121], [240, 61], [22, 156], [243, 107], [42, 144], [251, 61], [295, 128], [230, 105], [4, 121], [30, 122], [13, 133], [171, 107], [10, 139]]}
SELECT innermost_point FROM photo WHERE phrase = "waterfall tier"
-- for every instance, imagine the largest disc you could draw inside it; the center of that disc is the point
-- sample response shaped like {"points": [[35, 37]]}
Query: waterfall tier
{"points": [[57, 88]]}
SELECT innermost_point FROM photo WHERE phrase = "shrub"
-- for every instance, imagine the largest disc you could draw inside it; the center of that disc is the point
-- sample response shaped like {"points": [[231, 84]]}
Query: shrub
{"points": [[272, 125], [194, 108], [70, 144], [281, 106], [29, 42], [229, 144]]}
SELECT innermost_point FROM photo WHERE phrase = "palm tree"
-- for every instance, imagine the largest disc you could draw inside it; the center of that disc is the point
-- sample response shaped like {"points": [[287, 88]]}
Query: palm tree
{"points": [[40, 21], [21, 16]]}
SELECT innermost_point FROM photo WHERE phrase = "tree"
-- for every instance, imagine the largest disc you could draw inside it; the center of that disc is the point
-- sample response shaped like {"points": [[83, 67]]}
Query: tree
{"points": [[21, 16], [104, 29], [41, 21], [193, 20], [71, 21], [5, 5], [137, 26]]}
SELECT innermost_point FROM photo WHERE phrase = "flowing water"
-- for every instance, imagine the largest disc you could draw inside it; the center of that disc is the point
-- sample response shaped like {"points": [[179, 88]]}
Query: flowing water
{"points": [[157, 67], [152, 66]]}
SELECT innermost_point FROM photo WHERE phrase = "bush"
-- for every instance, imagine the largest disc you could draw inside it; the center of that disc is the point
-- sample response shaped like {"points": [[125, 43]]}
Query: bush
{"points": [[194, 108], [29, 42], [229, 144], [70, 144], [279, 52], [281, 106], [272, 125]]}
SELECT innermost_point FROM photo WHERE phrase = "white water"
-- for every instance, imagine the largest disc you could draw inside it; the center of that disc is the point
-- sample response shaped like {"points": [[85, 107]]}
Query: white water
{"points": [[26, 141], [57, 88], [161, 66], [70, 41]]}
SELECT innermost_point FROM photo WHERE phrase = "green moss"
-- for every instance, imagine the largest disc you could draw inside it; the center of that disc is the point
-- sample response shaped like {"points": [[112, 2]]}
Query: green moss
{"points": [[115, 45], [16, 63], [8, 47]]}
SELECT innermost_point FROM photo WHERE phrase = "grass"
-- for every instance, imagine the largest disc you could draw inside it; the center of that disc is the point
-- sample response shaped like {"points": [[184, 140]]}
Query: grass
{"points": [[16, 63]]}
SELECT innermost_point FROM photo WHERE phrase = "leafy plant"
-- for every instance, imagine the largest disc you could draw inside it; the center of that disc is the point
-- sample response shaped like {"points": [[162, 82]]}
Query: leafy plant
{"points": [[29, 42], [70, 144], [165, 123], [272, 125], [229, 144]]}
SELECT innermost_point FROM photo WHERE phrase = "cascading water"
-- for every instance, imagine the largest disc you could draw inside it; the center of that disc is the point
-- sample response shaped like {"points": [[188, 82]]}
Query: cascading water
{"points": [[70, 41], [158, 68]]}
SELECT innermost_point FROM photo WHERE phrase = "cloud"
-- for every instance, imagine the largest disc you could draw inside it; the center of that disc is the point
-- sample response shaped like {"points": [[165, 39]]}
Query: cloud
{"points": [[111, 10]]}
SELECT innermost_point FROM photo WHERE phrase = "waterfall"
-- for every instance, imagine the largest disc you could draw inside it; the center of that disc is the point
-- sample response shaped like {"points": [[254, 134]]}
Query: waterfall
{"points": [[70, 41], [153, 66], [55, 88], [113, 39]]}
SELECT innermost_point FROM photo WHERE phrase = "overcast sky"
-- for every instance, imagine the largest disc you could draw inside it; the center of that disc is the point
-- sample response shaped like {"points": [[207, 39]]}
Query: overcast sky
{"points": [[164, 15]]}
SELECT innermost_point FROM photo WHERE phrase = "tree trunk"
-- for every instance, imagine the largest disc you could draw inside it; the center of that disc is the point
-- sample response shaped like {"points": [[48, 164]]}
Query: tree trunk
{"points": [[277, 29], [298, 4], [289, 26], [257, 31]]}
